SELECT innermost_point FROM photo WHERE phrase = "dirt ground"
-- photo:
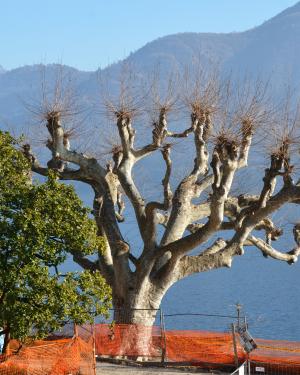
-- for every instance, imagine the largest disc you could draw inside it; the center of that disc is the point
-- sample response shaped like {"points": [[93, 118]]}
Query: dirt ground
{"points": [[112, 369]]}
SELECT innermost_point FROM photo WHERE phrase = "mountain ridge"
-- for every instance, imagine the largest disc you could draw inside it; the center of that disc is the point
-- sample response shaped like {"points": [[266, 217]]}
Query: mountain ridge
{"points": [[292, 10], [270, 49]]}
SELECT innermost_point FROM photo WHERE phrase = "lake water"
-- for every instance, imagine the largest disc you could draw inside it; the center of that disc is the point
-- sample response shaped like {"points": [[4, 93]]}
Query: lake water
{"points": [[268, 290]]}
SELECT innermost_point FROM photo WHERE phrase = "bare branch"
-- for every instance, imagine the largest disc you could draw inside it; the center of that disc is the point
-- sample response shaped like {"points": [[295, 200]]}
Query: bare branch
{"points": [[84, 262], [126, 132], [268, 251], [65, 174], [183, 134], [285, 195], [166, 184], [201, 125], [221, 190], [159, 134], [209, 259]]}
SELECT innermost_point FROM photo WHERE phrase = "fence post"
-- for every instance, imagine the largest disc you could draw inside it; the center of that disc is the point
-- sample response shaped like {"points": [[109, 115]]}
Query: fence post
{"points": [[248, 366], [164, 343], [236, 358]]}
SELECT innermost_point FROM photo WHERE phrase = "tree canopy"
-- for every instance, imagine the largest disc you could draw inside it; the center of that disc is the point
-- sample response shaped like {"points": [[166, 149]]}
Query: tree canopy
{"points": [[190, 222], [40, 223]]}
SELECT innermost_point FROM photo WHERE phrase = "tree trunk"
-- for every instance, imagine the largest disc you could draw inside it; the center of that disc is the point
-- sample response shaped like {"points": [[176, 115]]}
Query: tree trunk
{"points": [[139, 315], [134, 323]]}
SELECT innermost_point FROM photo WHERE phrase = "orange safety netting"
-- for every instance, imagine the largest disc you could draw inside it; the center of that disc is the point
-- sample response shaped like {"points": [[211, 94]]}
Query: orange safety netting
{"points": [[201, 347], [53, 357], [128, 340], [276, 356], [176, 346], [76, 355]]}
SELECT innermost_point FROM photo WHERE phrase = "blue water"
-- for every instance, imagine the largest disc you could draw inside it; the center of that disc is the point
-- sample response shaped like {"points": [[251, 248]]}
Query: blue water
{"points": [[268, 290]]}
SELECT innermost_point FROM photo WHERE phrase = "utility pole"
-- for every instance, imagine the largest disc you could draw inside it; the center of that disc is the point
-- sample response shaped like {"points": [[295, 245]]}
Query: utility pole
{"points": [[238, 310]]}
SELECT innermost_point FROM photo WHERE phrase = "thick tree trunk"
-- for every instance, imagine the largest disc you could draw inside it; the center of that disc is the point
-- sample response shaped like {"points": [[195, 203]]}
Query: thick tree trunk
{"points": [[135, 320], [139, 315]]}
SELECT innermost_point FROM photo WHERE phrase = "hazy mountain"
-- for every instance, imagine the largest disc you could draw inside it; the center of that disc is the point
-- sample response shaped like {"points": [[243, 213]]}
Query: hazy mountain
{"points": [[271, 50]]}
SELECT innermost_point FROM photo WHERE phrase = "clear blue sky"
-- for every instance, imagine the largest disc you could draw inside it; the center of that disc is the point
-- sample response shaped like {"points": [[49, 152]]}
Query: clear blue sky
{"points": [[87, 34]]}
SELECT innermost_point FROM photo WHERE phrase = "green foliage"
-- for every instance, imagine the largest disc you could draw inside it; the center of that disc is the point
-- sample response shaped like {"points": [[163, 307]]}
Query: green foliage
{"points": [[39, 225]]}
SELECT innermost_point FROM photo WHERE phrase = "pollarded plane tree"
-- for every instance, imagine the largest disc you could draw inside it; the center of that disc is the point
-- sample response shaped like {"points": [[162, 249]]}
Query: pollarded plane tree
{"points": [[202, 206]]}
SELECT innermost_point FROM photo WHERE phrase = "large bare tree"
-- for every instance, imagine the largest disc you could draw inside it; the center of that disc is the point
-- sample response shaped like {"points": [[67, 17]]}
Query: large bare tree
{"points": [[195, 212]]}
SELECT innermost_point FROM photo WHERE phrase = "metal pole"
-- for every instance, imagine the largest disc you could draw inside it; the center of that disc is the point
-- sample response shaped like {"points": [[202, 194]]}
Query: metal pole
{"points": [[164, 342], [238, 309], [236, 358]]}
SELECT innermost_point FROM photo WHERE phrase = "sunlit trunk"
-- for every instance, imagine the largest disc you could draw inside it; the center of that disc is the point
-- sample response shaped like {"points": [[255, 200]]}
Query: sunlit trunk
{"points": [[134, 325]]}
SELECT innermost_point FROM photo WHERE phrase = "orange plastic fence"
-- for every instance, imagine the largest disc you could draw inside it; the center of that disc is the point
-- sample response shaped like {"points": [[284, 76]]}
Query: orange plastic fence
{"points": [[203, 348], [76, 355], [128, 340], [276, 356], [176, 346], [54, 357]]}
